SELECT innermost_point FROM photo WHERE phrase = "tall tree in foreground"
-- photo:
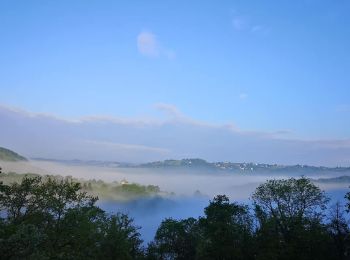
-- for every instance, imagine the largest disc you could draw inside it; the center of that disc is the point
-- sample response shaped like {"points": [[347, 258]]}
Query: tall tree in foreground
{"points": [[225, 231], [290, 214], [175, 239], [339, 231], [53, 219]]}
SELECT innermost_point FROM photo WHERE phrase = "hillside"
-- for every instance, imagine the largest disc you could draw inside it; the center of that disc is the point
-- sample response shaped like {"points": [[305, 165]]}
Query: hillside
{"points": [[113, 191], [192, 163], [8, 155], [340, 179], [246, 167], [228, 167]]}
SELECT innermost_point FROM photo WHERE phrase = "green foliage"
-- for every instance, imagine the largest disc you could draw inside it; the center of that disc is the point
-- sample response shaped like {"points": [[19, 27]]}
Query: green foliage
{"points": [[135, 190], [226, 230], [104, 190], [54, 219], [339, 230], [291, 199], [175, 240], [118, 238], [288, 224], [290, 214], [8, 155]]}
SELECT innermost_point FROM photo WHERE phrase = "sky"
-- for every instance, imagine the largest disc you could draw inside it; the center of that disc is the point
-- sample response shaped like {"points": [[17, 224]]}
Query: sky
{"points": [[264, 71]]}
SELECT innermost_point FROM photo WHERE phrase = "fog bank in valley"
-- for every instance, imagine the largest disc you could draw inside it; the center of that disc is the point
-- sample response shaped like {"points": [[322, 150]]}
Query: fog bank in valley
{"points": [[181, 182], [193, 189]]}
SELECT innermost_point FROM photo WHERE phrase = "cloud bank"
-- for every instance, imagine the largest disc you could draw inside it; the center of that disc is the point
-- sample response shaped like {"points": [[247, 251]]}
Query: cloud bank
{"points": [[140, 140]]}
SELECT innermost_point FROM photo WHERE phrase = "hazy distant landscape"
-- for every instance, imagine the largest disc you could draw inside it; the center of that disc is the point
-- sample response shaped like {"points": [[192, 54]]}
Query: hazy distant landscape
{"points": [[179, 189], [175, 130]]}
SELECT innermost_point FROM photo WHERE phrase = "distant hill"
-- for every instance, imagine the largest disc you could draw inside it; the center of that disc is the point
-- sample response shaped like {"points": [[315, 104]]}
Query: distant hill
{"points": [[11, 156], [340, 179], [191, 163], [245, 167], [228, 167]]}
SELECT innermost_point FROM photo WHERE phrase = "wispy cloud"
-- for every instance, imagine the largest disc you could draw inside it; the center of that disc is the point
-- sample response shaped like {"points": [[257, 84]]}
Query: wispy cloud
{"points": [[118, 120], [245, 24], [149, 46], [174, 115], [169, 109], [29, 114], [129, 147], [176, 136]]}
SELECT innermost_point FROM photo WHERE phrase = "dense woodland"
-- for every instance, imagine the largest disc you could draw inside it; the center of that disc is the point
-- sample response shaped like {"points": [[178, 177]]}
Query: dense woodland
{"points": [[114, 191], [56, 219]]}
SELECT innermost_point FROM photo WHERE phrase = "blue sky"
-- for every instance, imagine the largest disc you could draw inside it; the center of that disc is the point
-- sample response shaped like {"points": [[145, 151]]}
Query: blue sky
{"points": [[260, 65]]}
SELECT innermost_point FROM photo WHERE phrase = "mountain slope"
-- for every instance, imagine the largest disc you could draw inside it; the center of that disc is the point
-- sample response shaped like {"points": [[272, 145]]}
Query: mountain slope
{"points": [[8, 155]]}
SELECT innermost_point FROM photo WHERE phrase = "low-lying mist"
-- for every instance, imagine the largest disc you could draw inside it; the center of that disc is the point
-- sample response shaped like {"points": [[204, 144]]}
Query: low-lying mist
{"points": [[186, 192]]}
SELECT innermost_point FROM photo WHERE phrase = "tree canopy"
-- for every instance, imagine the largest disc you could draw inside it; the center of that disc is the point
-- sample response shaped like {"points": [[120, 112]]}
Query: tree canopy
{"points": [[44, 218], [55, 219]]}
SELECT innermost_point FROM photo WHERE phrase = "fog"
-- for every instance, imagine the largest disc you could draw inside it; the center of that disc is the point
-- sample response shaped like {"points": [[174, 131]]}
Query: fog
{"points": [[181, 182], [187, 201]]}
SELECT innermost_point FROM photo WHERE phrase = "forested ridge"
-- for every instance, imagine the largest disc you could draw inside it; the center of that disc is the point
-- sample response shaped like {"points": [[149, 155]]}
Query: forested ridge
{"points": [[8, 155], [118, 191], [47, 218]]}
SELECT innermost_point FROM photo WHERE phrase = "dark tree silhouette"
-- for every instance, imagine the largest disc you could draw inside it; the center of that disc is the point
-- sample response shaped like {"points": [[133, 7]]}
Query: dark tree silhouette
{"points": [[53, 219]]}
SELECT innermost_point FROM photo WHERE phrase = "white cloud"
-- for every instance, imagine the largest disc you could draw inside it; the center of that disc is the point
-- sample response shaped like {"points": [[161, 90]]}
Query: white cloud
{"points": [[169, 109], [149, 46], [130, 147], [26, 113], [119, 120], [176, 116], [176, 136], [243, 23]]}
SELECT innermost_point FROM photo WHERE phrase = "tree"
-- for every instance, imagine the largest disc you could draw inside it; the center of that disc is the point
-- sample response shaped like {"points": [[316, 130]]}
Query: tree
{"points": [[290, 214], [295, 199], [121, 239], [175, 240], [53, 219], [226, 231], [339, 230]]}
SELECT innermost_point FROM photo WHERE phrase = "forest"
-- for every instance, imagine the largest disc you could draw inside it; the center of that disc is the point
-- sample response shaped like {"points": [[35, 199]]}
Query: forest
{"points": [[120, 191], [50, 218]]}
